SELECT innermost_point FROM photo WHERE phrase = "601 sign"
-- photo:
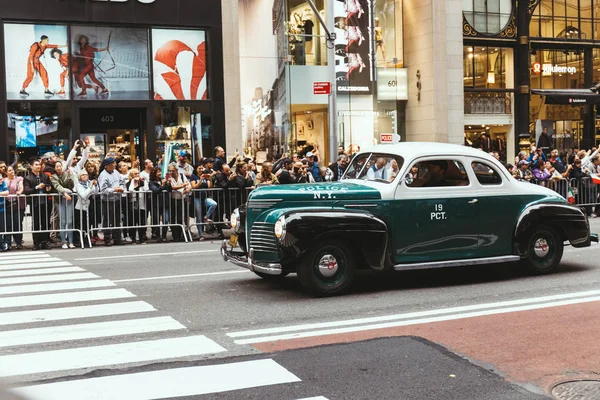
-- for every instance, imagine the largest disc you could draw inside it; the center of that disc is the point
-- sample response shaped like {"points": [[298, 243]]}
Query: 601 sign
{"points": [[392, 83]]}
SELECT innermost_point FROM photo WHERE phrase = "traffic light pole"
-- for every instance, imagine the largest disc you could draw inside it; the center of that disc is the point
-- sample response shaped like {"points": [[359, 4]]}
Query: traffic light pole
{"points": [[330, 38]]}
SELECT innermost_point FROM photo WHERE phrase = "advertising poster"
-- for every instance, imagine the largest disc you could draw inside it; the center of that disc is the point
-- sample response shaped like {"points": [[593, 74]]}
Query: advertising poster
{"points": [[96, 143], [388, 33], [25, 130], [353, 46], [110, 63], [179, 64], [197, 135], [37, 64]]}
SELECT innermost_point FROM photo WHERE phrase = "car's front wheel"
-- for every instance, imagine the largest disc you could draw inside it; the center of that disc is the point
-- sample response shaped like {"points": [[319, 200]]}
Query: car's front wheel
{"points": [[329, 269], [544, 250]]}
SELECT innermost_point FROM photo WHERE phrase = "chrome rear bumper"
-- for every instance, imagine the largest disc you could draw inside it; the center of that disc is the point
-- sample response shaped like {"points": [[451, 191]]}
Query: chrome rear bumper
{"points": [[241, 260]]}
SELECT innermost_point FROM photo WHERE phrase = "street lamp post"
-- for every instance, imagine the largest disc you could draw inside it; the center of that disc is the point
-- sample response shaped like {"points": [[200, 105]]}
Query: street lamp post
{"points": [[330, 38]]}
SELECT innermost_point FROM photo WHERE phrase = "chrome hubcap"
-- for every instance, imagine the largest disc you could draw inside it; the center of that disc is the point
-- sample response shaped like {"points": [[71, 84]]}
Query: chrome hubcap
{"points": [[541, 248], [328, 266]]}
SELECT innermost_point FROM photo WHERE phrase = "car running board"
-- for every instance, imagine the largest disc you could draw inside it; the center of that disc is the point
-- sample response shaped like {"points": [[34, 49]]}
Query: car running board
{"points": [[456, 263], [594, 237]]}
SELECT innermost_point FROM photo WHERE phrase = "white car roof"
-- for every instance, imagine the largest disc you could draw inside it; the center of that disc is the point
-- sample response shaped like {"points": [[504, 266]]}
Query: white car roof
{"points": [[412, 150]]}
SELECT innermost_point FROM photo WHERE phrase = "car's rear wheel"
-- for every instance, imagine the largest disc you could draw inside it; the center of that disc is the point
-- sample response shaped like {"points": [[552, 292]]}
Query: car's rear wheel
{"points": [[329, 269], [544, 250], [268, 277]]}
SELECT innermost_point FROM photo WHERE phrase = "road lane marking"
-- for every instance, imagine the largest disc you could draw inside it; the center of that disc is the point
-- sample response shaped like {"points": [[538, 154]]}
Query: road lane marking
{"points": [[58, 298], [154, 278], [451, 317], [43, 271], [55, 287], [417, 314], [94, 330], [107, 355], [147, 255], [48, 278], [44, 264], [65, 313], [168, 383]]}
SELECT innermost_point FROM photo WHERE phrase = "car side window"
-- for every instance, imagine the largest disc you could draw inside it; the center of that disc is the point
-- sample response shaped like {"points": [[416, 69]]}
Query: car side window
{"points": [[437, 173], [485, 174]]}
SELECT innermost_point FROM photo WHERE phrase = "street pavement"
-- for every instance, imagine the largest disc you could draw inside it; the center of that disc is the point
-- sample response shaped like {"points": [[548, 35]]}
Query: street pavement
{"points": [[175, 321]]}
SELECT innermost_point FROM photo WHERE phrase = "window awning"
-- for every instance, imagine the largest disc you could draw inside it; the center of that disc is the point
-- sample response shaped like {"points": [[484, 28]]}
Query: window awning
{"points": [[575, 97]]}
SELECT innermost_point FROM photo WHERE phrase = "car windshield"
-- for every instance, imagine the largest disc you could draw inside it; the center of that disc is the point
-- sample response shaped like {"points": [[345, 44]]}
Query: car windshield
{"points": [[374, 167]]}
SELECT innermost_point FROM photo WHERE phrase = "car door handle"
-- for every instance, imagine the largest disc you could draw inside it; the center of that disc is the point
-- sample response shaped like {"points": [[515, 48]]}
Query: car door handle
{"points": [[473, 201]]}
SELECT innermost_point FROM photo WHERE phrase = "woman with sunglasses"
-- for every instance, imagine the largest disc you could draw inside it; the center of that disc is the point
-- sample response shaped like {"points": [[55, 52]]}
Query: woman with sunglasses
{"points": [[179, 187]]}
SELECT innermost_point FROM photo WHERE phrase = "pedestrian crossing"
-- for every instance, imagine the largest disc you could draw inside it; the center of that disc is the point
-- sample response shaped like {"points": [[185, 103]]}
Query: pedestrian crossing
{"points": [[58, 320]]}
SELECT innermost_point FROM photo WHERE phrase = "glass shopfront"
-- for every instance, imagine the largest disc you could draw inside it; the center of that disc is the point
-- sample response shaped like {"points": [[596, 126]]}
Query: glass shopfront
{"points": [[131, 89], [280, 111]]}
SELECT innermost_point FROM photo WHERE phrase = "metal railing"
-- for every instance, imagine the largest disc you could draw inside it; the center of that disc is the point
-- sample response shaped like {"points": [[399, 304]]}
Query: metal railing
{"points": [[79, 220]]}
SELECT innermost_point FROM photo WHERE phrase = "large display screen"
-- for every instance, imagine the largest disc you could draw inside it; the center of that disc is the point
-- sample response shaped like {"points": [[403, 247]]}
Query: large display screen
{"points": [[110, 63], [37, 66], [179, 64], [353, 46]]}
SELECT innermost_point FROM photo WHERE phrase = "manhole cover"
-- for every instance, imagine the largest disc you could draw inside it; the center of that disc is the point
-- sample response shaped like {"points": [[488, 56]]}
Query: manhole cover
{"points": [[577, 390]]}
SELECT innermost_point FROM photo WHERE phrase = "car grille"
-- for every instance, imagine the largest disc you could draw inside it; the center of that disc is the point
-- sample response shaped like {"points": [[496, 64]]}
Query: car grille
{"points": [[262, 237]]}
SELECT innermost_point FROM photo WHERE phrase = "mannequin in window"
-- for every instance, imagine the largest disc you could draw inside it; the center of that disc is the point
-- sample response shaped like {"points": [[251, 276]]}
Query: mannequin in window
{"points": [[379, 43], [308, 31]]}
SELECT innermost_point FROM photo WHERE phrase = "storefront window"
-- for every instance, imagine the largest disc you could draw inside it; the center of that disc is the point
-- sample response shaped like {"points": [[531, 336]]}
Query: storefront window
{"points": [[487, 67], [487, 16], [306, 38], [557, 69], [35, 69], [565, 19], [35, 128], [110, 63], [179, 65], [183, 127]]}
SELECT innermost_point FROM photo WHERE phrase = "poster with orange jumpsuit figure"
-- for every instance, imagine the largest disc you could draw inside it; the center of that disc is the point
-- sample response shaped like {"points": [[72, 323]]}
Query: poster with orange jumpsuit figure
{"points": [[179, 64], [32, 73], [110, 63]]}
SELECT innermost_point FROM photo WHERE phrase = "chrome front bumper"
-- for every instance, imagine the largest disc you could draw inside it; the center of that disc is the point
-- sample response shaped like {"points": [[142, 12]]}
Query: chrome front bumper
{"points": [[241, 260]]}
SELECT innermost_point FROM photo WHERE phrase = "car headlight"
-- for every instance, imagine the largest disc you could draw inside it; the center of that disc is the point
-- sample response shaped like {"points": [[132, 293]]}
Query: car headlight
{"points": [[280, 227], [235, 219]]}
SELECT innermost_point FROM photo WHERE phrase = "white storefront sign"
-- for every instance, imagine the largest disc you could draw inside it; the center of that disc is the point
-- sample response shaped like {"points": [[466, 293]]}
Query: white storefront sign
{"points": [[549, 69], [392, 84]]}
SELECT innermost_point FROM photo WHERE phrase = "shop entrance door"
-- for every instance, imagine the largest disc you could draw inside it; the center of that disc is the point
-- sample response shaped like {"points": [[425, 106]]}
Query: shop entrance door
{"points": [[118, 132]]}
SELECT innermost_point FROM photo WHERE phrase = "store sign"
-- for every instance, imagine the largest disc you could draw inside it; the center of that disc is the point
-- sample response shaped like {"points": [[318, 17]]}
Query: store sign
{"points": [[549, 69], [392, 84], [577, 101], [389, 138], [321, 88]]}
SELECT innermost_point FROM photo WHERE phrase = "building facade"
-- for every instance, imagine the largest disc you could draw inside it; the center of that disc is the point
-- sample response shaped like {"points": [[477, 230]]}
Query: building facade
{"points": [[528, 67], [140, 78]]}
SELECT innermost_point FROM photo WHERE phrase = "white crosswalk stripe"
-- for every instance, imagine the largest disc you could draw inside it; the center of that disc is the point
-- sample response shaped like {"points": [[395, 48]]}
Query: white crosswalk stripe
{"points": [[48, 278], [43, 271], [59, 320], [177, 382]]}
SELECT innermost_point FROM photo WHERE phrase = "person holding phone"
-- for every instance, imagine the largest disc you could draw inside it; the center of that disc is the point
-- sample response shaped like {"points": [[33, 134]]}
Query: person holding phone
{"points": [[84, 188], [179, 186]]}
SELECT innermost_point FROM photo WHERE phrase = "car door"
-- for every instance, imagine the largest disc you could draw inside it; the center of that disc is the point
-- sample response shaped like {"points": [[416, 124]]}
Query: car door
{"points": [[436, 215], [498, 206]]}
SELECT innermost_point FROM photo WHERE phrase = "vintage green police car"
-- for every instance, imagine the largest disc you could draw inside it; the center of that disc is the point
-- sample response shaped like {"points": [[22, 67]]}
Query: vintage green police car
{"points": [[403, 207]]}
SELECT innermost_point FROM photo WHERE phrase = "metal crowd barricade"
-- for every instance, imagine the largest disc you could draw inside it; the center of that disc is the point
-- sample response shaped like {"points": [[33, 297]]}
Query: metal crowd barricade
{"points": [[130, 214], [560, 186], [32, 215], [585, 191]]}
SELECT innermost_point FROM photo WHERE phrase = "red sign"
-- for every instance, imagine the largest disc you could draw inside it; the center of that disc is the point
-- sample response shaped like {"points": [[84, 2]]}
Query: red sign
{"points": [[386, 138], [322, 87], [536, 67]]}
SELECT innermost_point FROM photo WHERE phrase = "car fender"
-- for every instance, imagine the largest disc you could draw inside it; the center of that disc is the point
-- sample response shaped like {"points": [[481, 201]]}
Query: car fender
{"points": [[570, 220], [306, 228]]}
